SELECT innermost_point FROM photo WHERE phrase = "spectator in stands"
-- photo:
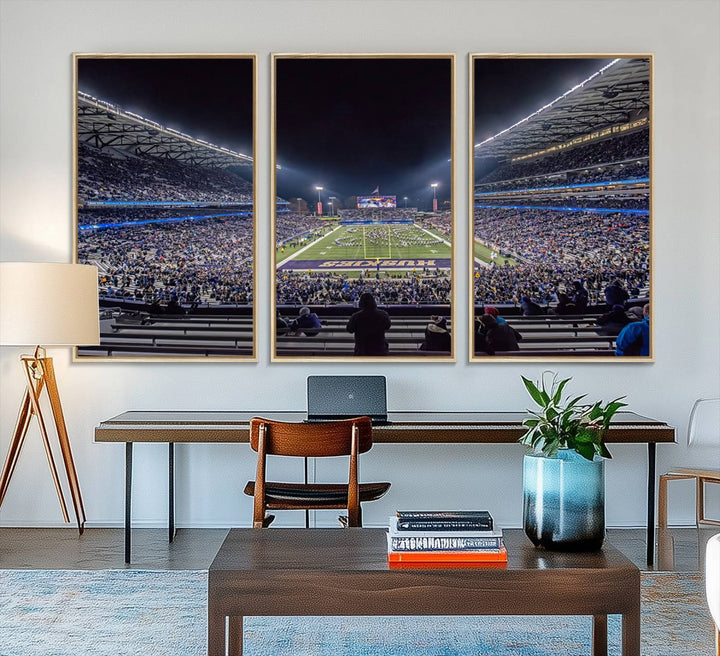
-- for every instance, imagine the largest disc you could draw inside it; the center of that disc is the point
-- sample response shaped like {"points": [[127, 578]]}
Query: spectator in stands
{"points": [[612, 322], [634, 339], [615, 294], [369, 325], [281, 325], [565, 305], [529, 307], [493, 336], [437, 336], [634, 313], [173, 307], [307, 322], [580, 296], [493, 312]]}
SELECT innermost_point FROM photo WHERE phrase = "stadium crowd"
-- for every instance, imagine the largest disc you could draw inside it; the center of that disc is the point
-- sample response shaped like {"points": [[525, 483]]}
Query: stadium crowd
{"points": [[556, 249], [294, 288], [207, 262], [591, 201], [439, 221], [113, 175], [290, 226], [377, 213], [139, 213], [598, 153], [600, 173]]}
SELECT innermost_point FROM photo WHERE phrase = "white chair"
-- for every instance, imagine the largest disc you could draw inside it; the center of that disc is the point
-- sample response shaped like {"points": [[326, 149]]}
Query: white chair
{"points": [[703, 431], [712, 584]]}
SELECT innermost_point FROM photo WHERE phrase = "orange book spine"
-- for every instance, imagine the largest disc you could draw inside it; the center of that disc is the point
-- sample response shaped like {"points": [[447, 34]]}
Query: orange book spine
{"points": [[488, 556], [467, 564]]}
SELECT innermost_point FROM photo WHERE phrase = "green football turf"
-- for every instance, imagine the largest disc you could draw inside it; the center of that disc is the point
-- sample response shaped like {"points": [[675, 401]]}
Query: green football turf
{"points": [[484, 253], [385, 246]]}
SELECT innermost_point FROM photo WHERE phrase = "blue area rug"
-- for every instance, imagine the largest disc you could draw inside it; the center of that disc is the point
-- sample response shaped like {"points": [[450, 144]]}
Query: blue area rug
{"points": [[130, 612]]}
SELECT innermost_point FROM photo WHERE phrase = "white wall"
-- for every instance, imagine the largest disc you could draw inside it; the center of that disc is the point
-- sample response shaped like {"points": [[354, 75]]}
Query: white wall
{"points": [[35, 217]]}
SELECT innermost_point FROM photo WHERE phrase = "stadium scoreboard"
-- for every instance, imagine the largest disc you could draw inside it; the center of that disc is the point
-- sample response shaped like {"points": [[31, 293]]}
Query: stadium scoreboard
{"points": [[364, 202]]}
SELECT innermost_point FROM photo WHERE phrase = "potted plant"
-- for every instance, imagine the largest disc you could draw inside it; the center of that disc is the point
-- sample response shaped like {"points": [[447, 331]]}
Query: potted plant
{"points": [[564, 468]]}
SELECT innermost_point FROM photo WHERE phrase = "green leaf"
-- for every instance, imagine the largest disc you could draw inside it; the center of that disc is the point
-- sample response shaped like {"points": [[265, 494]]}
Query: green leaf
{"points": [[571, 404], [558, 393], [572, 424], [534, 392], [586, 451]]}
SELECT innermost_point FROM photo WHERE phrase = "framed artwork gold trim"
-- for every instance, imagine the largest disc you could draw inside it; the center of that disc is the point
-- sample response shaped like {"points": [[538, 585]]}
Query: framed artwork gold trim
{"points": [[527, 103], [288, 345], [166, 162]]}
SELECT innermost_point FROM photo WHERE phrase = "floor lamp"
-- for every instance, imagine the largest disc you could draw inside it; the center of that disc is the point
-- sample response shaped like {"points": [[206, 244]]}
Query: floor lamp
{"points": [[46, 304]]}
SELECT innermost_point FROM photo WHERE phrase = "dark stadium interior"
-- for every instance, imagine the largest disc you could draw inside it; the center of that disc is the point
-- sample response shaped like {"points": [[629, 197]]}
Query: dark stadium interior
{"points": [[561, 198]]}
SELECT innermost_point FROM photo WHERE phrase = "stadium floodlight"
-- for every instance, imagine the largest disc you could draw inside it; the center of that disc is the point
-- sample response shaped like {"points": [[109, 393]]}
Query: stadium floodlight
{"points": [[434, 186], [319, 205], [405, 198]]}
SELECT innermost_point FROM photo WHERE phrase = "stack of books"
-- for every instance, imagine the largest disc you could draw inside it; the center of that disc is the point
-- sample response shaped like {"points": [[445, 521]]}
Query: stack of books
{"points": [[445, 538]]}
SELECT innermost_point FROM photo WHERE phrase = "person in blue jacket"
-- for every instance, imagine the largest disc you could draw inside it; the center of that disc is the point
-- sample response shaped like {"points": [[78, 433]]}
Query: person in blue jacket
{"points": [[307, 322], [634, 339]]}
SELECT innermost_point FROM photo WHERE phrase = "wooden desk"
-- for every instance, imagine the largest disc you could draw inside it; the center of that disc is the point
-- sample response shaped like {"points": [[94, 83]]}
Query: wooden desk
{"points": [[279, 572], [206, 426]]}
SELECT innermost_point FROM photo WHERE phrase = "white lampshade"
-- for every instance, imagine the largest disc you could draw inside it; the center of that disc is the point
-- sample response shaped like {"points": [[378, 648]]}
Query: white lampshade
{"points": [[48, 304]]}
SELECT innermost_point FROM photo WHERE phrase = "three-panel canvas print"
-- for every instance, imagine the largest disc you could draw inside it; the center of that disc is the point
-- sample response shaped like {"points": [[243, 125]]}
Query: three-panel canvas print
{"points": [[363, 209]]}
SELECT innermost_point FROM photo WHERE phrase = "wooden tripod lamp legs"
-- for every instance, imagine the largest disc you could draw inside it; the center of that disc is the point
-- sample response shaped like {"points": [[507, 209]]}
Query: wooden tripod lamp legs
{"points": [[39, 374]]}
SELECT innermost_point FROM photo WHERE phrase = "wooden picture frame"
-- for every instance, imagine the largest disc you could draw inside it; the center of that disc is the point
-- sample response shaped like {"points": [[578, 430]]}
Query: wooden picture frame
{"points": [[165, 203], [345, 136], [561, 207]]}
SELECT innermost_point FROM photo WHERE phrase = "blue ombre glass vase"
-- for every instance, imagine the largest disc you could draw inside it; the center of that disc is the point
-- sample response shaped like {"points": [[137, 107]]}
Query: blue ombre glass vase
{"points": [[564, 501]]}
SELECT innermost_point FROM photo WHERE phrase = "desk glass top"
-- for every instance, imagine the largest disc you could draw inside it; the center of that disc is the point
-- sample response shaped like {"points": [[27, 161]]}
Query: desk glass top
{"points": [[235, 417]]}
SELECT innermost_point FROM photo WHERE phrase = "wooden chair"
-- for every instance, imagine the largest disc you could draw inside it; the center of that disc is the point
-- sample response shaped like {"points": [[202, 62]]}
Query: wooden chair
{"points": [[349, 437], [703, 429]]}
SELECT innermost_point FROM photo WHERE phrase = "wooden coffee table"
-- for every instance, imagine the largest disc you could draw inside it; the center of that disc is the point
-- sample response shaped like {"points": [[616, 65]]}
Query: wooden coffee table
{"points": [[279, 572]]}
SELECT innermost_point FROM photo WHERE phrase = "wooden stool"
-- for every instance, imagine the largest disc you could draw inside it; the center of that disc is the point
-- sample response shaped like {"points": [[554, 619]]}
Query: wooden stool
{"points": [[701, 476]]}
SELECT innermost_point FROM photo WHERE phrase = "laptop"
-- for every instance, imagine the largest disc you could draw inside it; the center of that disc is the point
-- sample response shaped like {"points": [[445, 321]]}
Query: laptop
{"points": [[330, 398]]}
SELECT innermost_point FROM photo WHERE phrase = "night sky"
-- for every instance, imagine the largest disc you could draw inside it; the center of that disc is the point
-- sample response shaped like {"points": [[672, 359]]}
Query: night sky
{"points": [[210, 99], [351, 125]]}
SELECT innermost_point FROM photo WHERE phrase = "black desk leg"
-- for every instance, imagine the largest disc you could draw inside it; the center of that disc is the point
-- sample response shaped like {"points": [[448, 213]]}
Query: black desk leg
{"points": [[651, 505], [307, 512], [128, 497], [171, 491]]}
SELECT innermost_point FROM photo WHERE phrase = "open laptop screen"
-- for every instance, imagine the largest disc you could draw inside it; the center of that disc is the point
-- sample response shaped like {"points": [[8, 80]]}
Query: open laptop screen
{"points": [[342, 397]]}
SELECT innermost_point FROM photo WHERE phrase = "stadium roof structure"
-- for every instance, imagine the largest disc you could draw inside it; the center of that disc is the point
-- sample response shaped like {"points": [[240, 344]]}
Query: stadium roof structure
{"points": [[103, 125], [617, 94]]}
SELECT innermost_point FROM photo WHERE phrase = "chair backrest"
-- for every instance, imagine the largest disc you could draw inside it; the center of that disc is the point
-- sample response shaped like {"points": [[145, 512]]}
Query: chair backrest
{"points": [[311, 440], [704, 423]]}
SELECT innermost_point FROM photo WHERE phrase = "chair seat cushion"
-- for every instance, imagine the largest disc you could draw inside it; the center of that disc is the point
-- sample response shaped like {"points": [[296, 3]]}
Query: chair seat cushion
{"points": [[315, 495]]}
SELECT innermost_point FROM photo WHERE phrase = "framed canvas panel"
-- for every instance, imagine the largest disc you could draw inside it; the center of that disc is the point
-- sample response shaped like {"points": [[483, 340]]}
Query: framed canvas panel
{"points": [[164, 197], [363, 215], [561, 198]]}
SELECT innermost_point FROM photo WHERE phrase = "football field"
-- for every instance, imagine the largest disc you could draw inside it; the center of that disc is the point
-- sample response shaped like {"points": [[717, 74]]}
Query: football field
{"points": [[485, 254], [374, 242]]}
